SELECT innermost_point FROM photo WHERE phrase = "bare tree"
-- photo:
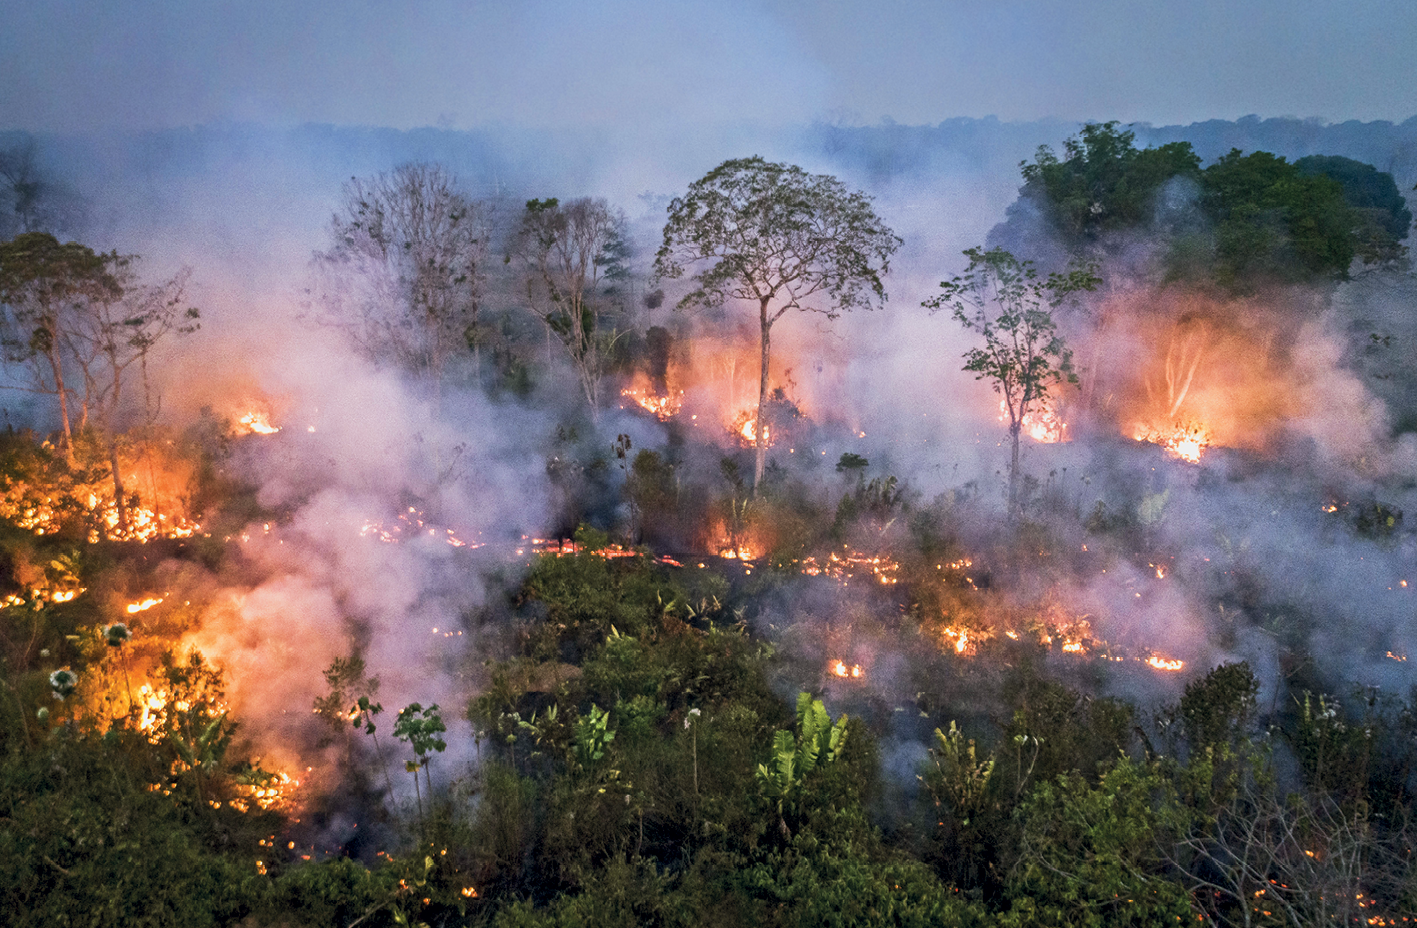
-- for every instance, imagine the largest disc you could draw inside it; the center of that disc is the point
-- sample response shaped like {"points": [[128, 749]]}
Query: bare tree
{"points": [[1260, 858], [46, 289], [79, 321], [567, 254], [403, 276], [116, 333], [774, 235], [31, 200]]}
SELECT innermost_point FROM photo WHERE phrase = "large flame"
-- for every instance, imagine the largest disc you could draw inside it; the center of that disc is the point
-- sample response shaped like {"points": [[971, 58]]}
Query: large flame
{"points": [[662, 406], [255, 423], [1041, 423], [1186, 442]]}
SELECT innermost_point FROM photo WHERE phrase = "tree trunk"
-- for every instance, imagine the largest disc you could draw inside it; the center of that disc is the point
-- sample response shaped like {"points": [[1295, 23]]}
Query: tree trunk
{"points": [[118, 499], [57, 367], [1014, 430], [760, 444]]}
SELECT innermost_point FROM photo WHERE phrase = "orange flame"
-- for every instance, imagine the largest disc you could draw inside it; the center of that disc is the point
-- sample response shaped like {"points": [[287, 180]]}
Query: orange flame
{"points": [[257, 423], [1187, 442], [662, 408], [745, 427], [1040, 423], [839, 669]]}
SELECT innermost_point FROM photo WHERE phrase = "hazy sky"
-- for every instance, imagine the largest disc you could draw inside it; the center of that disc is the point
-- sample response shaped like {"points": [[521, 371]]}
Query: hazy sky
{"points": [[75, 64]]}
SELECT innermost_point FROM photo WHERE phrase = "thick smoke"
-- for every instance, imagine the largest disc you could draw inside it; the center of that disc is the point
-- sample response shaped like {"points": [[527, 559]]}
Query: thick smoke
{"points": [[1276, 542]]}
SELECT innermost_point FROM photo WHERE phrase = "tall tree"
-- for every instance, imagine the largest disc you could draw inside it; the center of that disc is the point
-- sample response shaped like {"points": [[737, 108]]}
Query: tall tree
{"points": [[1003, 300], [116, 333], [774, 235], [46, 289], [79, 322], [568, 253], [404, 271]]}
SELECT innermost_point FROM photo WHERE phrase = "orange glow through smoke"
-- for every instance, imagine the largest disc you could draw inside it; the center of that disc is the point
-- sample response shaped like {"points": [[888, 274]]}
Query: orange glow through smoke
{"points": [[256, 423], [840, 669], [1187, 442], [1040, 423]]}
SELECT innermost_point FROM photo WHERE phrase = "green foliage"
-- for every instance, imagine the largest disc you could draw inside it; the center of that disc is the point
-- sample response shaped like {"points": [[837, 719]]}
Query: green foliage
{"points": [[92, 833], [1056, 730], [592, 736], [793, 759], [1089, 853], [960, 780], [1103, 181], [1024, 358], [1270, 221], [1217, 709], [1273, 222], [1382, 213]]}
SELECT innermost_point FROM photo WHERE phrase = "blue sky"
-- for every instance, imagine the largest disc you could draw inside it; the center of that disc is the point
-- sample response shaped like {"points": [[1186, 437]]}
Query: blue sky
{"points": [[71, 65]]}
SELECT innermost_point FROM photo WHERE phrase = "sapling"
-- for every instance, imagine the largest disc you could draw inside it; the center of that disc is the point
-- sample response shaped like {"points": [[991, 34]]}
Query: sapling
{"points": [[420, 728]]}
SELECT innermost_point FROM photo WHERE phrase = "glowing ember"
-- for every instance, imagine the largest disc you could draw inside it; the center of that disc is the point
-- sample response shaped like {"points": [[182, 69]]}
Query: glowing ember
{"points": [[1162, 663], [257, 423], [849, 564], [409, 524], [1187, 442], [47, 516], [1397, 657], [839, 669], [143, 606]]}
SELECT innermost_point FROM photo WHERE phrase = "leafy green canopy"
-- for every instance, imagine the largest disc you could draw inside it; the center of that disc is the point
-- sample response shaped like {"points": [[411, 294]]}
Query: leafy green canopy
{"points": [[1003, 300], [1269, 220], [770, 231], [1103, 181]]}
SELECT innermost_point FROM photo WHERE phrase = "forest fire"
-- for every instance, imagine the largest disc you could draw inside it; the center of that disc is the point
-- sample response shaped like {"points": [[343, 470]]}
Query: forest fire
{"points": [[736, 552], [1161, 663], [663, 408], [143, 605], [1186, 442], [161, 719], [745, 429], [1041, 423], [963, 640], [256, 423], [841, 670], [848, 564], [412, 523]]}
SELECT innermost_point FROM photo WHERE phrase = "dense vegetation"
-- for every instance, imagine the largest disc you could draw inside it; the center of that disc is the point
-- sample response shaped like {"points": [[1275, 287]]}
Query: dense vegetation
{"points": [[1246, 220], [665, 738], [640, 765]]}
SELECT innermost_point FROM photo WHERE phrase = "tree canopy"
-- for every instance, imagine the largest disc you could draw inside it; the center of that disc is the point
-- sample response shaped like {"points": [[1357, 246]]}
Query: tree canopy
{"points": [[1103, 181], [1266, 219], [405, 267], [1002, 299], [776, 235]]}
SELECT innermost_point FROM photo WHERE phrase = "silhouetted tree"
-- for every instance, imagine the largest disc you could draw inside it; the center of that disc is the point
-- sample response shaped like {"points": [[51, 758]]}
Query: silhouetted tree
{"points": [[782, 238]]}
